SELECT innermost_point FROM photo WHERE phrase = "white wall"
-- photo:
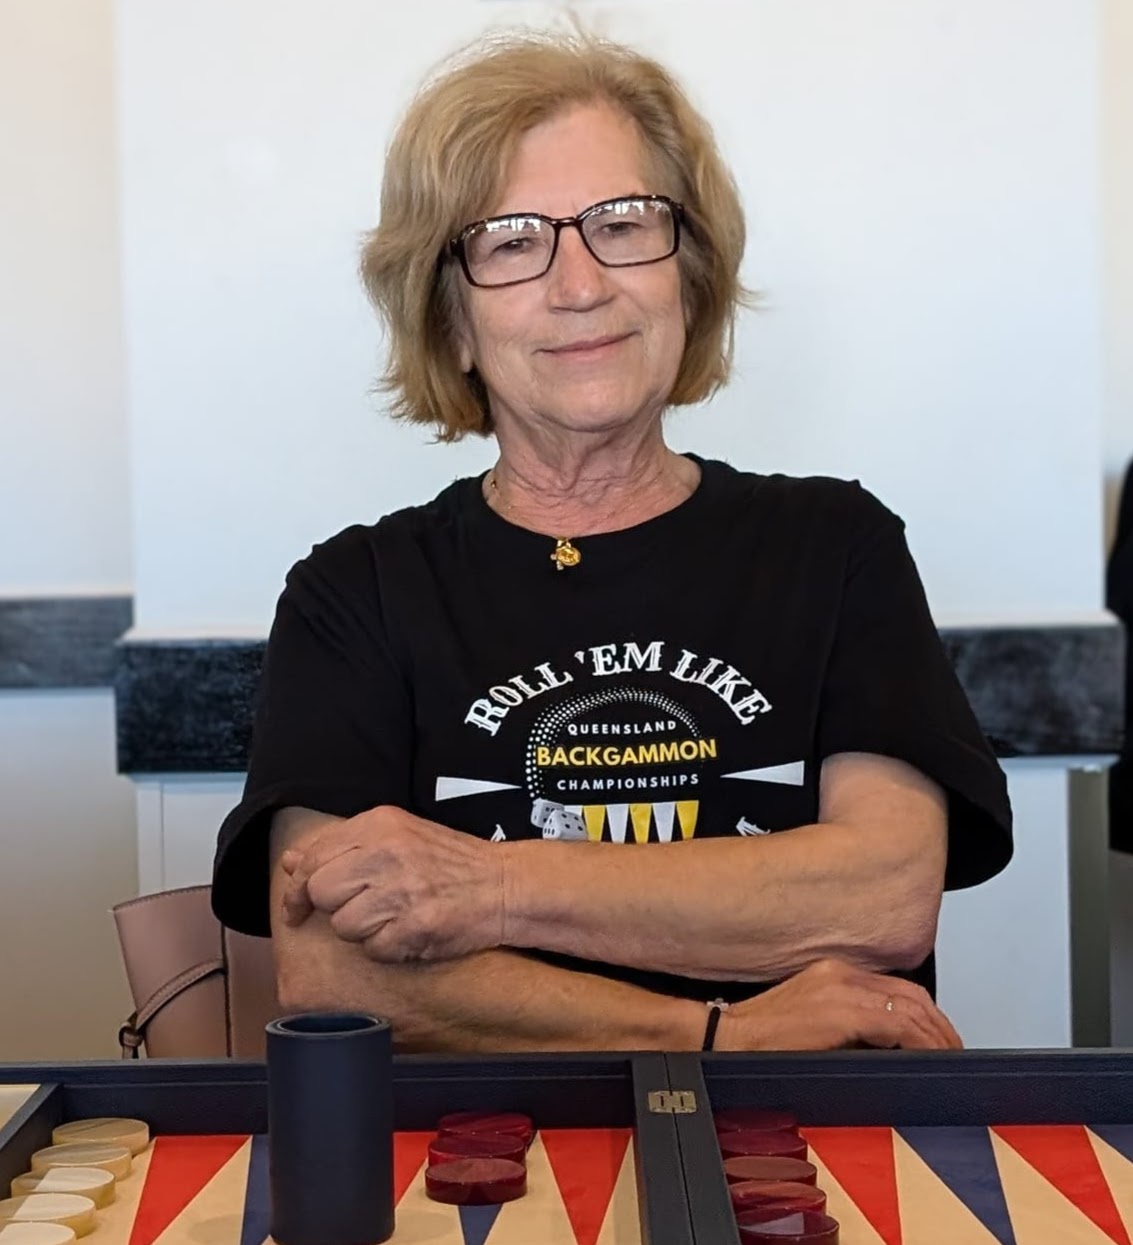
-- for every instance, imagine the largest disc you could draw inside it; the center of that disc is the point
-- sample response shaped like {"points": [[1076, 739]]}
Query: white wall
{"points": [[64, 471], [1117, 202], [1117, 290], [67, 824], [922, 184], [68, 845]]}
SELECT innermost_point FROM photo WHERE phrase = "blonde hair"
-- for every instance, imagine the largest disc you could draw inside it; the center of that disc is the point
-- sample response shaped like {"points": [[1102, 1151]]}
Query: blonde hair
{"points": [[447, 164]]}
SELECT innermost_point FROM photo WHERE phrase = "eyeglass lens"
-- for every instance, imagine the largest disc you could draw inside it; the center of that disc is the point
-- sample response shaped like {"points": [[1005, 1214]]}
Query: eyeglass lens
{"points": [[619, 233]]}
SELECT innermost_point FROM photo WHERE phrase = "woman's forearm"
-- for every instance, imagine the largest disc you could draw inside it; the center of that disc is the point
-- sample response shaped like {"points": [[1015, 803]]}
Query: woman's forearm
{"points": [[732, 909], [491, 1001]]}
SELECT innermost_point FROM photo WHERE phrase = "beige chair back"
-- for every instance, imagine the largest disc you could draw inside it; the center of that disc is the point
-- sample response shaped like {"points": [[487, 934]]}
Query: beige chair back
{"points": [[200, 990]]}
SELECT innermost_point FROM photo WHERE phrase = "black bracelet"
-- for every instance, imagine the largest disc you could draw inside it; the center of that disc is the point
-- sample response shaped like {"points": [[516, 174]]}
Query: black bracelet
{"points": [[715, 1010]]}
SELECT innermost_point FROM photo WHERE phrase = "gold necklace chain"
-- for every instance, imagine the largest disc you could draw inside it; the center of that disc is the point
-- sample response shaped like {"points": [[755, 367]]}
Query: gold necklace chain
{"points": [[565, 553]]}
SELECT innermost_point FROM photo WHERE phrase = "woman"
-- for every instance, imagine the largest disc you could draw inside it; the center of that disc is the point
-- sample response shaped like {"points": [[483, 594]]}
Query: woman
{"points": [[610, 733]]}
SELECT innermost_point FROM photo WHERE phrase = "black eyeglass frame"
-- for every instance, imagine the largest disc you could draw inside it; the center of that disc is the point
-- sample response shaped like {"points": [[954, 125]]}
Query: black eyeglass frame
{"points": [[455, 246]]}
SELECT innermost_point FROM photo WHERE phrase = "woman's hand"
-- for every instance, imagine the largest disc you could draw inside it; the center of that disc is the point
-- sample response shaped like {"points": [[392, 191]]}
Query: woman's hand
{"points": [[831, 1005], [402, 887]]}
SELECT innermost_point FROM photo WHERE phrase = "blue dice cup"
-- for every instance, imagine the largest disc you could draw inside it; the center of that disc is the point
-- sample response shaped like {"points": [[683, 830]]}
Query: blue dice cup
{"points": [[330, 1129]]}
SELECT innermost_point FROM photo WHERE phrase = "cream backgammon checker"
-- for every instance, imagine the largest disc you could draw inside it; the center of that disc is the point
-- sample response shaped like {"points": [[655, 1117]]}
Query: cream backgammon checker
{"points": [[105, 1130], [66, 1209], [35, 1234], [69, 1181], [92, 1182], [114, 1159]]}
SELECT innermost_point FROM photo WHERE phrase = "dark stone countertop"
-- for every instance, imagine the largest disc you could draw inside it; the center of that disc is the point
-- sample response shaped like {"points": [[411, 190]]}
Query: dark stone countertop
{"points": [[55, 642], [186, 706]]}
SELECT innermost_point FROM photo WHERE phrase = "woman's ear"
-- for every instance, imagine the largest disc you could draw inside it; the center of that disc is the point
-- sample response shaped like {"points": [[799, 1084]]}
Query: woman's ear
{"points": [[464, 350], [462, 336]]}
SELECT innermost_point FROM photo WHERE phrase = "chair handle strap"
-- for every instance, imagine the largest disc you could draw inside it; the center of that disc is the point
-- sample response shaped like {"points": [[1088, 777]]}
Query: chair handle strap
{"points": [[132, 1034]]}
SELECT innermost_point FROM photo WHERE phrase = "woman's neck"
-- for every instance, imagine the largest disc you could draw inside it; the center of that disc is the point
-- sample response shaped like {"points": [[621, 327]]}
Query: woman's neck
{"points": [[589, 489]]}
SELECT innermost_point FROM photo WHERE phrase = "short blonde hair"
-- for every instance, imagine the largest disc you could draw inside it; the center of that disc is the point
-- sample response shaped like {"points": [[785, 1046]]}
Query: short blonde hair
{"points": [[447, 164]]}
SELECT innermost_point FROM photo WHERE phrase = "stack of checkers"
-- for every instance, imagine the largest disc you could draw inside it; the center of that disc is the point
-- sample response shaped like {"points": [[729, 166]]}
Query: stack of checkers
{"points": [[479, 1158], [774, 1189], [70, 1181]]}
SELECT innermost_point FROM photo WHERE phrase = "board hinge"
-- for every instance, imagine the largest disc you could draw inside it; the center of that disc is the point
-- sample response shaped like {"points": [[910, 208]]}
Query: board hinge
{"points": [[672, 1102]]}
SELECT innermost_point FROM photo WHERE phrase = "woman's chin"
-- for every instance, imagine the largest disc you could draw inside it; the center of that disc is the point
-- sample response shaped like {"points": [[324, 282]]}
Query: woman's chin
{"points": [[600, 412]]}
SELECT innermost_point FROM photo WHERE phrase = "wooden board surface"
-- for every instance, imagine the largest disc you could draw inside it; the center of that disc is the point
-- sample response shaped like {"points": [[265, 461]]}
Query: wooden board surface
{"points": [[582, 1190], [12, 1098]]}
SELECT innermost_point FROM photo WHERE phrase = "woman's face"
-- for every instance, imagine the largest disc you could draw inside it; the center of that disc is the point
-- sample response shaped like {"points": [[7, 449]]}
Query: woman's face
{"points": [[524, 340]]}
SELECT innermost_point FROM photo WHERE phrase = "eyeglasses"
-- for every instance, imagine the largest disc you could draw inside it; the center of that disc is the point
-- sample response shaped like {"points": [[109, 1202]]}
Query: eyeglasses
{"points": [[619, 233]]}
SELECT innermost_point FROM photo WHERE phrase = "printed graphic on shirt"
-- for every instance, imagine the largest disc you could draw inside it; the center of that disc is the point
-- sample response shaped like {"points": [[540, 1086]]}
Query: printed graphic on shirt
{"points": [[610, 756]]}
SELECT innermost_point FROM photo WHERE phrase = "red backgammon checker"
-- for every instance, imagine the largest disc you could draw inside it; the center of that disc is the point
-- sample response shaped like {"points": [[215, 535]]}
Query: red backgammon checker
{"points": [[774, 1145], [788, 1194], [513, 1122], [761, 1167], [755, 1119], [772, 1227], [476, 1182], [449, 1147]]}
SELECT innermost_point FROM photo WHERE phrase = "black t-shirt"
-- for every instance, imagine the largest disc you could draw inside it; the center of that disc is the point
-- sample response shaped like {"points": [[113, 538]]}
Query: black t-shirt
{"points": [[685, 680]]}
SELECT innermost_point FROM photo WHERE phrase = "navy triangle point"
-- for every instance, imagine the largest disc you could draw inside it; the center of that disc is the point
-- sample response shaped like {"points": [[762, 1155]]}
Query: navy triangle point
{"points": [[476, 1222], [1118, 1136], [256, 1224], [964, 1160]]}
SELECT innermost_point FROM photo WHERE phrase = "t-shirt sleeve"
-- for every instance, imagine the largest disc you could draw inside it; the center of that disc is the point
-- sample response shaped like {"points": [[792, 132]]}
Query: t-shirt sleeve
{"points": [[890, 689], [332, 728]]}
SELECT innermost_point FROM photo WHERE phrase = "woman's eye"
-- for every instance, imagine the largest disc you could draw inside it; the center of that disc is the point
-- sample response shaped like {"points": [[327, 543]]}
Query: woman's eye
{"points": [[619, 228], [513, 246]]}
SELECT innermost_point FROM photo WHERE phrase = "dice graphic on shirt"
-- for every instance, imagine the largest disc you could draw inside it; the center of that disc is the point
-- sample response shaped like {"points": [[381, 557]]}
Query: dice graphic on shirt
{"points": [[565, 825], [575, 828], [556, 822], [541, 810]]}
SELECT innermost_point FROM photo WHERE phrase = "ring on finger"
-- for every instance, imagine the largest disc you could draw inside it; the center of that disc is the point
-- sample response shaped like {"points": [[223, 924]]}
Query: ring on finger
{"points": [[889, 1004]]}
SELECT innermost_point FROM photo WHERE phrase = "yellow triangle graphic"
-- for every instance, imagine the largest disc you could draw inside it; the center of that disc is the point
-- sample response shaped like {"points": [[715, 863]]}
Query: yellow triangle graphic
{"points": [[595, 817], [639, 815], [686, 815]]}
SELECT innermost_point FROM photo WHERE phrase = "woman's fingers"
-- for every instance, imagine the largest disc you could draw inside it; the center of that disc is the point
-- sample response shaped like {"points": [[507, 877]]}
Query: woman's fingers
{"points": [[917, 1000], [831, 1004], [905, 1016]]}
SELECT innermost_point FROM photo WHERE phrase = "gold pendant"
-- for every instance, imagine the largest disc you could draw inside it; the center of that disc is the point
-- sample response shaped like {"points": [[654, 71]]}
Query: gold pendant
{"points": [[565, 554]]}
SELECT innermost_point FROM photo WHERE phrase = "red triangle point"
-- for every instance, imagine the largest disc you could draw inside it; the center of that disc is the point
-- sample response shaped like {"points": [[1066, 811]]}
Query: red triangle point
{"points": [[1062, 1154], [179, 1168], [586, 1163], [410, 1150], [862, 1161]]}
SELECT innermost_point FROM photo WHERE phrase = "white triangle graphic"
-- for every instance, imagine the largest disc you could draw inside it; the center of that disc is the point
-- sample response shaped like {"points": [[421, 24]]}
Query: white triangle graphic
{"points": [[663, 815], [789, 775], [616, 815], [451, 788]]}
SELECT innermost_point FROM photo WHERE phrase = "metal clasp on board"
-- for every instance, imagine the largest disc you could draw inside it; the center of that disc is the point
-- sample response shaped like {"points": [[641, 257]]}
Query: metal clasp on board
{"points": [[672, 1101]]}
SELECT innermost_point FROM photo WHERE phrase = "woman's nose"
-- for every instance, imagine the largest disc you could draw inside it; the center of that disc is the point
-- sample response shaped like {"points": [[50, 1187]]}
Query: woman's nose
{"points": [[577, 279]]}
